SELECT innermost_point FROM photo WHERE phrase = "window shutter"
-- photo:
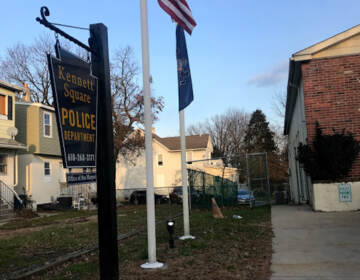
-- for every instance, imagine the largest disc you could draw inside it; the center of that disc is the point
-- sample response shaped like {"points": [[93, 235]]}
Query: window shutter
{"points": [[10, 107], [2, 104]]}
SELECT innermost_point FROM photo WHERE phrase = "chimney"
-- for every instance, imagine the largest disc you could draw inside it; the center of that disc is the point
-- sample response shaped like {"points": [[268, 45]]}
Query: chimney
{"points": [[26, 97], [153, 130]]}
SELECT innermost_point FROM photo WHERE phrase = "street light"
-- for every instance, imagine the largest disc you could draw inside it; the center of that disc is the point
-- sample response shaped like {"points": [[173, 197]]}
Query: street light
{"points": [[170, 225]]}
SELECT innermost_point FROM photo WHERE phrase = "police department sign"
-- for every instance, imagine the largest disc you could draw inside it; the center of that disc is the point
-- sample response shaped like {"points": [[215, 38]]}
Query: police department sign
{"points": [[75, 97]]}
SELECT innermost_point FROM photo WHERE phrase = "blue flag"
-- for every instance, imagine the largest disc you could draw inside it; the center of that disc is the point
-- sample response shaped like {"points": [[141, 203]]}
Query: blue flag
{"points": [[184, 76]]}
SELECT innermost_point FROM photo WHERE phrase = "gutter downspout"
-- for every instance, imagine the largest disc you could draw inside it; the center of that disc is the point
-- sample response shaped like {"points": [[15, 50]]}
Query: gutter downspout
{"points": [[15, 168]]}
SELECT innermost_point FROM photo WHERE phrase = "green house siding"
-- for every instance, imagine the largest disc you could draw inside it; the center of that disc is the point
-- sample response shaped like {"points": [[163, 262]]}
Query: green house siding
{"points": [[20, 123], [30, 123], [48, 145]]}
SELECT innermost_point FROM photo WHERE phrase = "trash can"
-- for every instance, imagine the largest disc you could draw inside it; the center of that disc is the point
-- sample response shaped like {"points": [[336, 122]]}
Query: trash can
{"points": [[65, 202]]}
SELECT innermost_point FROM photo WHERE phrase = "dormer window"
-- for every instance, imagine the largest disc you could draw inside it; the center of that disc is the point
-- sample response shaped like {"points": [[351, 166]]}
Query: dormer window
{"points": [[47, 124]]}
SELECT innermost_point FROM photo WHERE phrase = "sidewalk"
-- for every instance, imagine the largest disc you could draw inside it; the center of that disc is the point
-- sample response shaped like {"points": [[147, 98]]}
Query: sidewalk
{"points": [[315, 246]]}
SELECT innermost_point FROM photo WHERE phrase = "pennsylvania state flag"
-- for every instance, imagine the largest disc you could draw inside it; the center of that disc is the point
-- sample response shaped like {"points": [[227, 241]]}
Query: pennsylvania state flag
{"points": [[184, 77]]}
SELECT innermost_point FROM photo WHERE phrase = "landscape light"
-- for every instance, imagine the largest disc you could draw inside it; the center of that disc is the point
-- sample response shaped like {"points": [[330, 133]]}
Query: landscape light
{"points": [[170, 225]]}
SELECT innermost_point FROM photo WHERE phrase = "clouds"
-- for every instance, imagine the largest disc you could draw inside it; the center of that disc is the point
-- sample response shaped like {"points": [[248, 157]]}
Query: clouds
{"points": [[276, 74]]}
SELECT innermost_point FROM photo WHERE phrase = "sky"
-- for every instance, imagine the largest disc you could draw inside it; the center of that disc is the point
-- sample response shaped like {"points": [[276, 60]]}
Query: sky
{"points": [[238, 52]]}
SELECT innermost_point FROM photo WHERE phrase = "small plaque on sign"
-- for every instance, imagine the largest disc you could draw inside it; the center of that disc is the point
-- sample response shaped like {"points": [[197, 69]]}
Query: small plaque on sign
{"points": [[345, 192], [80, 178]]}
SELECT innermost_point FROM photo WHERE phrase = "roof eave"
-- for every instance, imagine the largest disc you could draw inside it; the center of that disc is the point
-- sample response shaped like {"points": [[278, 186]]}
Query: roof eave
{"points": [[293, 85], [337, 38], [11, 87], [12, 147]]}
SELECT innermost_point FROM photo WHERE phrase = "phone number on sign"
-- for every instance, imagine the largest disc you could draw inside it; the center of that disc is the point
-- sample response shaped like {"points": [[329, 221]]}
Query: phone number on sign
{"points": [[81, 157]]}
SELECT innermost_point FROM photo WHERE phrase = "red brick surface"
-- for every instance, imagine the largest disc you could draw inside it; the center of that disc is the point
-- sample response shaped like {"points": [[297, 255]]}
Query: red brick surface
{"points": [[332, 97]]}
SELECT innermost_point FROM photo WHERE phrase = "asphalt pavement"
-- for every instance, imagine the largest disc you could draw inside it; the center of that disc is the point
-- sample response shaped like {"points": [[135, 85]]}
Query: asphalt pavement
{"points": [[312, 245]]}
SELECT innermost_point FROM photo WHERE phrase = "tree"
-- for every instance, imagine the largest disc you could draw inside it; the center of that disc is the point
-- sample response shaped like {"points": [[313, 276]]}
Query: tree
{"points": [[227, 133], [28, 64], [128, 104], [279, 104], [279, 163], [259, 137], [279, 108]]}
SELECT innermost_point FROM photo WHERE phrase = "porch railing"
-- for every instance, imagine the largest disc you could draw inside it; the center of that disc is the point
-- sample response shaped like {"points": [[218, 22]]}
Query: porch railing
{"points": [[8, 196]]}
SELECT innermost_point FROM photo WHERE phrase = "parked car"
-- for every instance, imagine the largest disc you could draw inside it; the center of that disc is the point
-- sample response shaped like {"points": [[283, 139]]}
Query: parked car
{"points": [[139, 197], [245, 197], [176, 195]]}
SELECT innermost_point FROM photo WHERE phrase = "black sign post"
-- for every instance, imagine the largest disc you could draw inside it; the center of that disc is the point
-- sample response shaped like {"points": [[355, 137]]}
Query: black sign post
{"points": [[105, 157]]}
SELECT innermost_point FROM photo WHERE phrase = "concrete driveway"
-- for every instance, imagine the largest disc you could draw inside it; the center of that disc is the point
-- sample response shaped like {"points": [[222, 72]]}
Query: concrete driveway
{"points": [[312, 245]]}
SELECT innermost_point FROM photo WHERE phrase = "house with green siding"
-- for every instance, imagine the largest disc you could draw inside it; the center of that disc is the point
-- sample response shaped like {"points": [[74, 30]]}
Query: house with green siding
{"points": [[41, 173]]}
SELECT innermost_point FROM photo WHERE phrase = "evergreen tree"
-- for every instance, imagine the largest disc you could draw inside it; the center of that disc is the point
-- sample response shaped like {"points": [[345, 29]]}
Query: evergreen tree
{"points": [[259, 137]]}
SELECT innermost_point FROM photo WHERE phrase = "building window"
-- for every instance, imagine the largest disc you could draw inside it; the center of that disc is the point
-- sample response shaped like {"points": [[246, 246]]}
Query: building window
{"points": [[10, 108], [3, 164], [47, 168], [160, 160], [47, 125], [3, 115]]}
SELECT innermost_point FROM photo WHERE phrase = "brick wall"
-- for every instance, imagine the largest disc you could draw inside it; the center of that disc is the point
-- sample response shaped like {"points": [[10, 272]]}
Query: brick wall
{"points": [[332, 97]]}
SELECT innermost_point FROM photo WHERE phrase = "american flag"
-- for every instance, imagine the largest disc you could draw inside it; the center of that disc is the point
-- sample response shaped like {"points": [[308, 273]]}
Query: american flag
{"points": [[180, 12]]}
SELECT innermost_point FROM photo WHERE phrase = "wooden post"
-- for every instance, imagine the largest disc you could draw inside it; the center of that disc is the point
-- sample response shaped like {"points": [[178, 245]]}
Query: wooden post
{"points": [[107, 222]]}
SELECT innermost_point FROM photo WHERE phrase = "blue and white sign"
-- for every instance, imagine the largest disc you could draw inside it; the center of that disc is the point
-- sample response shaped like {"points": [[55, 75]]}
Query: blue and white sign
{"points": [[345, 192], [80, 178]]}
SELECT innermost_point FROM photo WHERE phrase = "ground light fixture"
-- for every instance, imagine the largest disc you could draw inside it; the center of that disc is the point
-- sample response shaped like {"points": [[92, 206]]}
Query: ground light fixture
{"points": [[170, 226]]}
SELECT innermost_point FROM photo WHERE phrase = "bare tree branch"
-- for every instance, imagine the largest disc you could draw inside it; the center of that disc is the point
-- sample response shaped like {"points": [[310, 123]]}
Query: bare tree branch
{"points": [[128, 104]]}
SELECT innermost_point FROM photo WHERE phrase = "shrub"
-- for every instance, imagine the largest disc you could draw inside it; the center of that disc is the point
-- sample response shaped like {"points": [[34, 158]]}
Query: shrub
{"points": [[330, 157]]}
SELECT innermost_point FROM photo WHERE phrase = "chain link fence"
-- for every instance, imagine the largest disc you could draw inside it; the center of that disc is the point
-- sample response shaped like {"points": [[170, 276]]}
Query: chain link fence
{"points": [[257, 177], [204, 186], [253, 179]]}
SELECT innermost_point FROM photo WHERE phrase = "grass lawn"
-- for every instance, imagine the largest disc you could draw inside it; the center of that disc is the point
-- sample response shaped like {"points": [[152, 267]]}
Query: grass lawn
{"points": [[223, 249]]}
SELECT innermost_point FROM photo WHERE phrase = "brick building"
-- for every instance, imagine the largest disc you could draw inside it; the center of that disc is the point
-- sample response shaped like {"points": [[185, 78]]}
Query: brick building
{"points": [[324, 87]]}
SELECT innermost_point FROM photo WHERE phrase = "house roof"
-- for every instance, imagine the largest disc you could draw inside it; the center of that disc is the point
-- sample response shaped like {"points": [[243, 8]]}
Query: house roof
{"points": [[11, 87], [344, 43], [309, 52], [193, 142], [36, 104], [11, 144]]}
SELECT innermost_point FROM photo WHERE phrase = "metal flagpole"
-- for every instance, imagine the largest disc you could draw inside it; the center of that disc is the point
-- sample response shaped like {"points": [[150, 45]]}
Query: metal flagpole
{"points": [[150, 203], [185, 196]]}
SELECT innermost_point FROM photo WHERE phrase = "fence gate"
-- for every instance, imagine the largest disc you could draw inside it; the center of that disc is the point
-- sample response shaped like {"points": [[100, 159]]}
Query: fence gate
{"points": [[257, 177]]}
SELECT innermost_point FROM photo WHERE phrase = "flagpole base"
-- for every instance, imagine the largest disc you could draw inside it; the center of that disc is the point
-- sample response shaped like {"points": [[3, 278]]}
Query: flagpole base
{"points": [[155, 265], [185, 237]]}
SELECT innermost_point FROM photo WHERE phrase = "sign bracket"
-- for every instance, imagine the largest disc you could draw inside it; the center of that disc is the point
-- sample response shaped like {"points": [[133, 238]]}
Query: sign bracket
{"points": [[44, 11]]}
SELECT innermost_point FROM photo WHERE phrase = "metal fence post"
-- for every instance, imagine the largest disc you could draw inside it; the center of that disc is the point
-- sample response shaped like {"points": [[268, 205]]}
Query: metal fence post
{"points": [[267, 178], [248, 172]]}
